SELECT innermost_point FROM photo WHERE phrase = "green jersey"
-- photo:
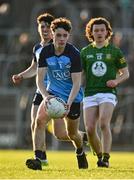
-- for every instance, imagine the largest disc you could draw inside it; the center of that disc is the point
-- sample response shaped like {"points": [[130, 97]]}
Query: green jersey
{"points": [[101, 65]]}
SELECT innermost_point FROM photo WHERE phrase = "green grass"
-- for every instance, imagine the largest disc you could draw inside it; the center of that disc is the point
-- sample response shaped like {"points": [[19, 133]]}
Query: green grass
{"points": [[63, 165]]}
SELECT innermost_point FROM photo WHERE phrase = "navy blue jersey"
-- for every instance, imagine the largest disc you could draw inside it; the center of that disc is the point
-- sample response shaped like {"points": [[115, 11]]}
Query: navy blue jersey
{"points": [[36, 54], [60, 69], [37, 49]]}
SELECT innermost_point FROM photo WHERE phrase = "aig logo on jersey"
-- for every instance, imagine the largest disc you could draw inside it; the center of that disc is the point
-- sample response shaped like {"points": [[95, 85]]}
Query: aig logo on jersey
{"points": [[99, 68]]}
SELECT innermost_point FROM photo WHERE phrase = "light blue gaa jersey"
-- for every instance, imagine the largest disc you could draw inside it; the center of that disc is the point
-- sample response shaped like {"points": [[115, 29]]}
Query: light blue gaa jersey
{"points": [[60, 69], [36, 54]]}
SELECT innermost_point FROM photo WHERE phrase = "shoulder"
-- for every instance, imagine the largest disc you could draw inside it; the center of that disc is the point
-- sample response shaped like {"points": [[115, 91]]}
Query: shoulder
{"points": [[36, 47], [47, 50], [50, 42], [113, 47], [86, 48], [48, 46], [115, 50], [71, 48]]}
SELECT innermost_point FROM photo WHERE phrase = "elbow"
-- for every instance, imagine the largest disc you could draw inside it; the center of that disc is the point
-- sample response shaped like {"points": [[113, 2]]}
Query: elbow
{"points": [[37, 83], [128, 75], [78, 86]]}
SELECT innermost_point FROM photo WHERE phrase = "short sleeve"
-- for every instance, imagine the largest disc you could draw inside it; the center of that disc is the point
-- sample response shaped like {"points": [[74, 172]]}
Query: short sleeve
{"points": [[75, 61], [42, 59], [120, 60], [34, 56], [82, 59]]}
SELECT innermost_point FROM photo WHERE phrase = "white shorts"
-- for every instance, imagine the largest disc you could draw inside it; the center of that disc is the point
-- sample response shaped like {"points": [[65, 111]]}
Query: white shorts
{"points": [[98, 99]]}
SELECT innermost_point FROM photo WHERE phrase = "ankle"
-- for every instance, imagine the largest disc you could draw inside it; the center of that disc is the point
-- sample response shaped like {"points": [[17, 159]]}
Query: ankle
{"points": [[79, 151], [106, 157], [44, 156], [99, 156], [38, 154]]}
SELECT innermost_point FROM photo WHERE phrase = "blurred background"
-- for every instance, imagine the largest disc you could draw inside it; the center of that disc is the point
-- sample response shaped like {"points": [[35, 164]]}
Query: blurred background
{"points": [[18, 34]]}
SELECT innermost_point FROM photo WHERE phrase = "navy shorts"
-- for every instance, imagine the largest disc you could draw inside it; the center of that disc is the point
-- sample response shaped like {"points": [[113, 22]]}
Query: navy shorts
{"points": [[74, 112], [37, 99]]}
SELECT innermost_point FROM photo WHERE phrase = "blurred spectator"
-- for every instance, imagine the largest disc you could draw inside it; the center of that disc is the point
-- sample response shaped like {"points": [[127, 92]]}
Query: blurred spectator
{"points": [[120, 42]]}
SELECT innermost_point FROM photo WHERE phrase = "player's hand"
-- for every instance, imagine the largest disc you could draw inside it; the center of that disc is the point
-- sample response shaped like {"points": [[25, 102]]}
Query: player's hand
{"points": [[112, 83], [46, 100], [17, 78], [67, 109]]}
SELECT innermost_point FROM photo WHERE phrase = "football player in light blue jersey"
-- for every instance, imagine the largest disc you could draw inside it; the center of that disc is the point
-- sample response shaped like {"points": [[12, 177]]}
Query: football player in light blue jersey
{"points": [[61, 61], [59, 72], [58, 129]]}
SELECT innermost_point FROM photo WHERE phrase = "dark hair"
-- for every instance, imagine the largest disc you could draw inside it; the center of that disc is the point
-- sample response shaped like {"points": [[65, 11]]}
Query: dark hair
{"points": [[61, 23], [46, 17], [99, 20]]}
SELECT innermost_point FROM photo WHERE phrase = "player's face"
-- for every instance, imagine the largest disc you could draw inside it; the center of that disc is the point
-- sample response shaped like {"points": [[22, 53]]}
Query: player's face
{"points": [[44, 31], [99, 33], [60, 37]]}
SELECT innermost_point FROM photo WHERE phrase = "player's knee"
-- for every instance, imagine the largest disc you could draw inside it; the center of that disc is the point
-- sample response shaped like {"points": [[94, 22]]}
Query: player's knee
{"points": [[71, 135], [57, 136], [90, 130], [104, 126]]}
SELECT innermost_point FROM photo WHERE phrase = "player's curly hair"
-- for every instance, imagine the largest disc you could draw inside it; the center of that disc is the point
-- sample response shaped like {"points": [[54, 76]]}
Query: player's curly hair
{"points": [[45, 17], [99, 20], [61, 23]]}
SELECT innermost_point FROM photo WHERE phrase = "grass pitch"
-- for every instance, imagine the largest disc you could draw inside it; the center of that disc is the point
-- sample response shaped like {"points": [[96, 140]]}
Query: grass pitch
{"points": [[63, 165]]}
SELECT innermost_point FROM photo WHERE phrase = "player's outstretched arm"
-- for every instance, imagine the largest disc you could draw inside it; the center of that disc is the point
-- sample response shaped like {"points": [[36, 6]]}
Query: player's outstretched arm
{"points": [[76, 79], [28, 73], [123, 75]]}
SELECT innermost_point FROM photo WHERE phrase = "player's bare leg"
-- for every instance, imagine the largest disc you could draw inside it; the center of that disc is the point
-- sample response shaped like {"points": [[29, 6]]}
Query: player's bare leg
{"points": [[34, 110], [105, 119], [39, 138], [91, 122], [75, 137]]}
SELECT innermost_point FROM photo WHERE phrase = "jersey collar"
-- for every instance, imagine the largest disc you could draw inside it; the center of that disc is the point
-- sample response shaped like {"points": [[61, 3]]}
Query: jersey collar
{"points": [[44, 44], [105, 45]]}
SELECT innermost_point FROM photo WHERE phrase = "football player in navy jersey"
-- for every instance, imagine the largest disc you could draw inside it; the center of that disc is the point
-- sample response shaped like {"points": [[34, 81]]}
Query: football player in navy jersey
{"points": [[43, 21], [61, 61]]}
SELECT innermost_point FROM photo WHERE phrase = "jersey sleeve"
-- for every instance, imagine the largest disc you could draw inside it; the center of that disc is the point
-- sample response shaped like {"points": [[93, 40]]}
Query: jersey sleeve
{"points": [[76, 62], [82, 59], [42, 59], [34, 56], [120, 61]]}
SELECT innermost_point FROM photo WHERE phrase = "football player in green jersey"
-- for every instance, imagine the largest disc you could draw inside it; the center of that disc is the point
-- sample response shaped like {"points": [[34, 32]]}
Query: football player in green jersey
{"points": [[104, 68]]}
